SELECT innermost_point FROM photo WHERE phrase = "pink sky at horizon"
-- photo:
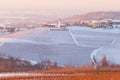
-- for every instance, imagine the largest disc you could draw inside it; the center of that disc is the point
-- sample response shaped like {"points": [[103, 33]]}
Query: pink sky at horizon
{"points": [[62, 6]]}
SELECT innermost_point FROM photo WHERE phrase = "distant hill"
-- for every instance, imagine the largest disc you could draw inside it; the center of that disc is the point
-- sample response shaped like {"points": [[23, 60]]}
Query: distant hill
{"points": [[94, 16]]}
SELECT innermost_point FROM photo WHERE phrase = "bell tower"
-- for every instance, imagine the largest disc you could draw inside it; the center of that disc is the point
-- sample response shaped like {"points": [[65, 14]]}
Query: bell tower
{"points": [[59, 24]]}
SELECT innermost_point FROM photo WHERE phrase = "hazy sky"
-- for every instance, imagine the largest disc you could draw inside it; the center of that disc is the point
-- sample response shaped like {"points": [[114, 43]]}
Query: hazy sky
{"points": [[60, 6]]}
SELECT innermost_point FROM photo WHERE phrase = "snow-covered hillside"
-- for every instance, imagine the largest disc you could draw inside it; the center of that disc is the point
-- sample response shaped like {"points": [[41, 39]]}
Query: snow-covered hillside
{"points": [[65, 47], [112, 52]]}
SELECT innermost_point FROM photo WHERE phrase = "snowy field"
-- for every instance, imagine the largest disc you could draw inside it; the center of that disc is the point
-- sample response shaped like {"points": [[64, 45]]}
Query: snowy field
{"points": [[72, 47], [93, 39]]}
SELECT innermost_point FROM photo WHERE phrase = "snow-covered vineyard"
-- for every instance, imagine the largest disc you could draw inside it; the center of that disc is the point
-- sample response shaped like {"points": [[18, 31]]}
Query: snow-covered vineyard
{"points": [[73, 47]]}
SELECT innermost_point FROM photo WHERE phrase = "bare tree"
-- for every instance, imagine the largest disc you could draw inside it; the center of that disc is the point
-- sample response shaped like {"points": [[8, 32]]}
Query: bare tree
{"points": [[104, 62]]}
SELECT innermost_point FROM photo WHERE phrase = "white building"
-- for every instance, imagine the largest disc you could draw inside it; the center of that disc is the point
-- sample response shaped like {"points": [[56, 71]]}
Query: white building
{"points": [[116, 23]]}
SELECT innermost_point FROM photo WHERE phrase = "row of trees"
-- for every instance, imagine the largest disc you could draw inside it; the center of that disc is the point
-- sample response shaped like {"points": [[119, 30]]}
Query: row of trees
{"points": [[104, 63], [12, 64]]}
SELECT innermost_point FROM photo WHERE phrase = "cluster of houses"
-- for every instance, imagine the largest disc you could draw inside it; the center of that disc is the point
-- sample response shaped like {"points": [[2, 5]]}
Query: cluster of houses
{"points": [[55, 25], [106, 23], [4, 28], [58, 25]]}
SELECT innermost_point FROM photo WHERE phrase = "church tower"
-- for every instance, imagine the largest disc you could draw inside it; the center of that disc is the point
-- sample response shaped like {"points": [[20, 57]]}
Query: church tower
{"points": [[59, 24]]}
